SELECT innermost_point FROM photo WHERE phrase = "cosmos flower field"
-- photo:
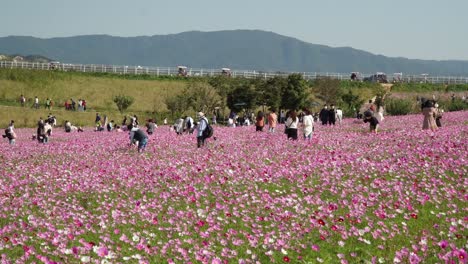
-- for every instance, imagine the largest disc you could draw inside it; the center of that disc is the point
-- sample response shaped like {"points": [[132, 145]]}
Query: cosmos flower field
{"points": [[348, 196]]}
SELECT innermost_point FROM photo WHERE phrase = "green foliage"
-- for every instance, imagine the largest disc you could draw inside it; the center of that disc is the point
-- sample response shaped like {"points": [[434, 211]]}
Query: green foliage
{"points": [[197, 96], [358, 85], [351, 99], [454, 105], [244, 96], [457, 87], [176, 104], [295, 94], [395, 106], [418, 87], [380, 94], [270, 92], [201, 96], [123, 102], [328, 90]]}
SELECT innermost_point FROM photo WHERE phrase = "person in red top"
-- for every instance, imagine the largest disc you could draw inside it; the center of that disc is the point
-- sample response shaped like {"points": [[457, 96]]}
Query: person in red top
{"points": [[260, 123], [372, 106]]}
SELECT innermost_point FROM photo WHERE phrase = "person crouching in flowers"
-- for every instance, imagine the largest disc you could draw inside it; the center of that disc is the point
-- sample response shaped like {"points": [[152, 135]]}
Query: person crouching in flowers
{"points": [[373, 122], [10, 134], [138, 136]]}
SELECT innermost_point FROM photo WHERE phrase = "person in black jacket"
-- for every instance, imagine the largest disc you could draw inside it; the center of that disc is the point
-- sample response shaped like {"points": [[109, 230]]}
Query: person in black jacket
{"points": [[324, 115], [332, 115]]}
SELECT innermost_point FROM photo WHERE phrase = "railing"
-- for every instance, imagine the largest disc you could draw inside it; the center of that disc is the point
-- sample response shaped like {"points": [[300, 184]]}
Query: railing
{"points": [[193, 72]]}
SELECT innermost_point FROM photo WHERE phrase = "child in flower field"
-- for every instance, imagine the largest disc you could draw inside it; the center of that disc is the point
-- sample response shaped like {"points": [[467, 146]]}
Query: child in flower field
{"points": [[373, 122]]}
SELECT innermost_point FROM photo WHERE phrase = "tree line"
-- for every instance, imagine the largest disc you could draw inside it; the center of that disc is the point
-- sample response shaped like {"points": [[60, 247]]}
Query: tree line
{"points": [[279, 93]]}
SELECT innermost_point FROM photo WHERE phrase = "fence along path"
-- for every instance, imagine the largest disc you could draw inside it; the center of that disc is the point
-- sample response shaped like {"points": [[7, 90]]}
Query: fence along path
{"points": [[194, 72]]}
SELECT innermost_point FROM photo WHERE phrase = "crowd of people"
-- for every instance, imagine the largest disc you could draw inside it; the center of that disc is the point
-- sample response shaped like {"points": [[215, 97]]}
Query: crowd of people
{"points": [[70, 104], [293, 122]]}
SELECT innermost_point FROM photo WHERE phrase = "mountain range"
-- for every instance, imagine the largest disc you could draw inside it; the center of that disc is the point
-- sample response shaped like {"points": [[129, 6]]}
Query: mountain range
{"points": [[236, 49]]}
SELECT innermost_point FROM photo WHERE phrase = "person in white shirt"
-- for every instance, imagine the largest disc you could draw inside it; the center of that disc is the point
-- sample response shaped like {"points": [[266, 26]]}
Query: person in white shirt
{"points": [[379, 115], [189, 125], [339, 115], [36, 102], [179, 126], [308, 124], [291, 125]]}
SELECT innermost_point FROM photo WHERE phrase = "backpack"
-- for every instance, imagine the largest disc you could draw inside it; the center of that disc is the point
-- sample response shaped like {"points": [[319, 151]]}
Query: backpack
{"points": [[208, 132], [368, 113]]}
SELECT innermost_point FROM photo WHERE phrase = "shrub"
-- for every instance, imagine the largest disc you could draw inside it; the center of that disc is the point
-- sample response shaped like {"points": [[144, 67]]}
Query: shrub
{"points": [[457, 87], [396, 106], [123, 102], [456, 105]]}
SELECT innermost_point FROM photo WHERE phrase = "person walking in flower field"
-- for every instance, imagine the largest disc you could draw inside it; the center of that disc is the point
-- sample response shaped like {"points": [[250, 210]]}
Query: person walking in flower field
{"points": [[272, 121], [292, 124], [429, 112], [202, 130], [308, 124]]}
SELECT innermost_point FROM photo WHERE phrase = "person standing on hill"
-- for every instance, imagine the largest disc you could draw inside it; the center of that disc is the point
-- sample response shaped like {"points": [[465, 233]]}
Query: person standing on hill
{"points": [[272, 121], [22, 100], [73, 104], [98, 118], [47, 103], [36, 102]]}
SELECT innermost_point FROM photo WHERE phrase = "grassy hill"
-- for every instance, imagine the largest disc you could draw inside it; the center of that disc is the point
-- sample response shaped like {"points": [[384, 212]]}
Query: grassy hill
{"points": [[149, 92], [97, 91]]}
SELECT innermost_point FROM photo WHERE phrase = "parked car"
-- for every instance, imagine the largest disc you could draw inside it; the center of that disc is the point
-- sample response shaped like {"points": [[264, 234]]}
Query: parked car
{"points": [[379, 77]]}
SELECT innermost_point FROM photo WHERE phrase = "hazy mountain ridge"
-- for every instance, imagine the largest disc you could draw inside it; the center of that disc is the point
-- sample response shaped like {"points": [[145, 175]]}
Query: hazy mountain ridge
{"points": [[237, 49]]}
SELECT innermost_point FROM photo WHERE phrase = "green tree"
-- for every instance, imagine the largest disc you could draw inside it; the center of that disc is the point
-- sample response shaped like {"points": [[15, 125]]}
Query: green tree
{"points": [[244, 96], [380, 93], [351, 100], [269, 93], [123, 102], [328, 90], [201, 96], [176, 104], [296, 92]]}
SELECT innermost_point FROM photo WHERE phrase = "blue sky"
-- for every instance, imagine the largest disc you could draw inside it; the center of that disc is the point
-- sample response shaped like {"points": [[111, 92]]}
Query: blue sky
{"points": [[417, 29]]}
